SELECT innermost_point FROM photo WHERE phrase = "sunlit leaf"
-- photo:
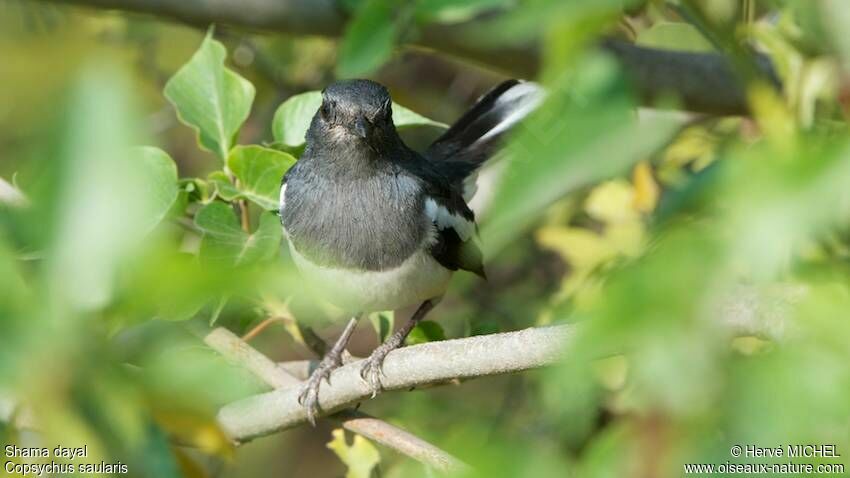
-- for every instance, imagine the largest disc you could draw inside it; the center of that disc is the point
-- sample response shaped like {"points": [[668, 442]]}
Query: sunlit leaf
{"points": [[160, 176], [403, 117], [426, 331], [361, 457], [259, 171], [646, 190], [611, 202], [224, 239], [293, 116], [210, 98], [674, 36]]}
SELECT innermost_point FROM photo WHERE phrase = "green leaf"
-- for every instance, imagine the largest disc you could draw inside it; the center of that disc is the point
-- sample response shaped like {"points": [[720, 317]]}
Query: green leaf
{"points": [[455, 11], [224, 188], [426, 331], [484, 328], [561, 147], [403, 117], [259, 171], [382, 322], [225, 241], [361, 457], [369, 39], [159, 174], [105, 198], [674, 36], [292, 118], [210, 98]]}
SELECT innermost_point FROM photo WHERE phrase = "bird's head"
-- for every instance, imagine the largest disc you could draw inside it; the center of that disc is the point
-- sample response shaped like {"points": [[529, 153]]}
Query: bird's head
{"points": [[355, 110]]}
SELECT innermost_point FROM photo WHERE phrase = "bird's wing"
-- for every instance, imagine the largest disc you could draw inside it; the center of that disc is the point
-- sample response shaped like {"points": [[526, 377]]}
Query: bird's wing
{"points": [[455, 245]]}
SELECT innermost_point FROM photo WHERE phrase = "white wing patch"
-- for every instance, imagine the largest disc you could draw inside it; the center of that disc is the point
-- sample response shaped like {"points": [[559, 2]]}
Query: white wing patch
{"points": [[445, 219], [282, 196], [470, 186]]}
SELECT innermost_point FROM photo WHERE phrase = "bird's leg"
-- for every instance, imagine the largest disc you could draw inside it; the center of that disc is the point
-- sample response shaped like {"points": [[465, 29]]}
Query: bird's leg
{"points": [[309, 397], [371, 371]]}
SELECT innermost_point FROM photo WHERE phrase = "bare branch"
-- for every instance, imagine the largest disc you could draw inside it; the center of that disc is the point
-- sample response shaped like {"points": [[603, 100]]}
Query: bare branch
{"points": [[235, 349], [413, 366], [704, 82]]}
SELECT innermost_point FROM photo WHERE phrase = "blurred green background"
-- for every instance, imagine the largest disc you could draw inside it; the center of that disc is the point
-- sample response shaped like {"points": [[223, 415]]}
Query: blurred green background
{"points": [[703, 258]]}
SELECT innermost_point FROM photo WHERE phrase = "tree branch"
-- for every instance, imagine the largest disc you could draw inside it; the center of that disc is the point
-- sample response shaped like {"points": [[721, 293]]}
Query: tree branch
{"points": [[306, 17], [704, 82], [237, 350], [404, 368], [742, 310]]}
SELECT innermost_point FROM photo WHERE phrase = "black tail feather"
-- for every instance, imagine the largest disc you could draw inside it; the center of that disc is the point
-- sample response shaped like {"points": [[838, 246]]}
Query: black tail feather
{"points": [[474, 137]]}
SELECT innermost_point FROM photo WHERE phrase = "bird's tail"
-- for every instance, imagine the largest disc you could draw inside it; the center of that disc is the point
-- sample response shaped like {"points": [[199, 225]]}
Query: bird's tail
{"points": [[475, 136]]}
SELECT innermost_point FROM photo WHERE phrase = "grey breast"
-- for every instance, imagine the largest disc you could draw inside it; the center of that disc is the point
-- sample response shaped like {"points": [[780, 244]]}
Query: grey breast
{"points": [[373, 222]]}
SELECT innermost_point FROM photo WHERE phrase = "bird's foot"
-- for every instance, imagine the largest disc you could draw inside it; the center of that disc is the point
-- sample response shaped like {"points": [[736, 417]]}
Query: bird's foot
{"points": [[309, 396], [372, 371]]}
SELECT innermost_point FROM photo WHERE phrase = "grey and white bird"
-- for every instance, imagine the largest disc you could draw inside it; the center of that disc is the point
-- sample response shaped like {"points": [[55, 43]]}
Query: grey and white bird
{"points": [[374, 225]]}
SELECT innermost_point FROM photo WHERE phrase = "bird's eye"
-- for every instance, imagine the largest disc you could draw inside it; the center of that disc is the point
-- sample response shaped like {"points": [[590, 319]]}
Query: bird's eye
{"points": [[326, 110]]}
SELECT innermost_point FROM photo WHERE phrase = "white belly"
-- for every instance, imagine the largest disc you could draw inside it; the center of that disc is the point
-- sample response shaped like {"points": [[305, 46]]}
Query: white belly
{"points": [[415, 280]]}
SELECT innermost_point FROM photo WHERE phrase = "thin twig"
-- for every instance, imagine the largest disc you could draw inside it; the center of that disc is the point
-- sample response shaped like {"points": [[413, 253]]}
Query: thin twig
{"points": [[235, 349], [245, 216], [259, 328]]}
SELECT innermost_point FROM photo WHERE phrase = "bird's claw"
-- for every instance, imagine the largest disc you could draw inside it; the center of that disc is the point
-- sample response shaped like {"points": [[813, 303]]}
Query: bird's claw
{"points": [[372, 371], [309, 396]]}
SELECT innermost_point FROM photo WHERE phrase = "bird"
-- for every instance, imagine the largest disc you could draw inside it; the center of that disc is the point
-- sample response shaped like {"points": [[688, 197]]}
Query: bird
{"points": [[374, 225]]}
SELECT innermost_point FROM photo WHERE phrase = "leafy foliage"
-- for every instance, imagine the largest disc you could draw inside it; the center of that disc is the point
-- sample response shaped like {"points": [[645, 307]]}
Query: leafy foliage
{"points": [[259, 171], [225, 240], [211, 98]]}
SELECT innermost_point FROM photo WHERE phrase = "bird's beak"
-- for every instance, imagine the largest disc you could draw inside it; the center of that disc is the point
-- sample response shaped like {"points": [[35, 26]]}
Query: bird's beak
{"points": [[362, 127]]}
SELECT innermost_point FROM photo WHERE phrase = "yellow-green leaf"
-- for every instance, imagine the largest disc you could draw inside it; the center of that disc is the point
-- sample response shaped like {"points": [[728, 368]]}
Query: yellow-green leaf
{"points": [[361, 457], [674, 36]]}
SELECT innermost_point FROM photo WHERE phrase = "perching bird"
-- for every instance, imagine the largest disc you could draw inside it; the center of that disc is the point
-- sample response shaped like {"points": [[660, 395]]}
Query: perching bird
{"points": [[376, 226]]}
